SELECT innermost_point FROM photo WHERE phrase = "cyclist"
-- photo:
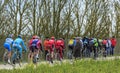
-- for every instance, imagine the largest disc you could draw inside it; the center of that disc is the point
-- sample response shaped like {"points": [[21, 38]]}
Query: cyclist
{"points": [[45, 46], [95, 47], [30, 48], [77, 48], [59, 45], [113, 44], [17, 48], [86, 49], [7, 46], [51, 45], [71, 44], [104, 42], [35, 45]]}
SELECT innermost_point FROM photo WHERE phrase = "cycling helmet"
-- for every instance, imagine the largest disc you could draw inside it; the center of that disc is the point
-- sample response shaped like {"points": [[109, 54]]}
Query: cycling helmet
{"points": [[19, 36], [10, 35], [35, 37], [52, 37]]}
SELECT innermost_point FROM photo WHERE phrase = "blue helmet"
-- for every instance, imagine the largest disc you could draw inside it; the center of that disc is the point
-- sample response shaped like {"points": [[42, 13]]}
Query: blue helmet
{"points": [[19, 36]]}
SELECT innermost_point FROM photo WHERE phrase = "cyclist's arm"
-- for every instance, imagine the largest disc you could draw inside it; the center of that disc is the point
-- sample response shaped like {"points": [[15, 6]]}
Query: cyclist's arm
{"points": [[24, 46]]}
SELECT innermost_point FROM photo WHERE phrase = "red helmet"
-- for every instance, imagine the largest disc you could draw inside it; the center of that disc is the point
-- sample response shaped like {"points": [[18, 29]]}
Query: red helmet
{"points": [[52, 37], [35, 37]]}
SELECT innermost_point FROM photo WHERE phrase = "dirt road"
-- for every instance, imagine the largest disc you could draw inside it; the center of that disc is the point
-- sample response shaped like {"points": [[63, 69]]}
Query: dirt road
{"points": [[8, 66]]}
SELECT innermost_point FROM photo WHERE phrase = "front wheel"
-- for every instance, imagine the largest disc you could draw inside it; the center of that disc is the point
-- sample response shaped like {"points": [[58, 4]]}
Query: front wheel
{"points": [[34, 59]]}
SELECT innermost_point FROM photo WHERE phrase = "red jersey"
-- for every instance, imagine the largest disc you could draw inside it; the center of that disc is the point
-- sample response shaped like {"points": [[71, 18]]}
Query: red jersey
{"points": [[30, 42], [46, 43], [113, 42], [59, 43], [35, 42], [51, 42], [104, 42]]}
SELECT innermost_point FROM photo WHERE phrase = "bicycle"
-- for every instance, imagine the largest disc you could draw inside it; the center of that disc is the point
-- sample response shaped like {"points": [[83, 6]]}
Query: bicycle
{"points": [[16, 59], [5, 57], [57, 55], [35, 59], [69, 54], [48, 57]]}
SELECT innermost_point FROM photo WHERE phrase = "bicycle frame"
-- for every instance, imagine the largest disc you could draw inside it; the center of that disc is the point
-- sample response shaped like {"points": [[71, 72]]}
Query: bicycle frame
{"points": [[16, 58]]}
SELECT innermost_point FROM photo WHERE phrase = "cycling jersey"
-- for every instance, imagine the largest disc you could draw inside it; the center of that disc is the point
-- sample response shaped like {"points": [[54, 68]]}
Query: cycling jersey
{"points": [[34, 42], [59, 47], [91, 42], [113, 42], [95, 42], [51, 45], [30, 42], [19, 42], [71, 41], [46, 42], [104, 42], [8, 43], [17, 46], [59, 43], [9, 40]]}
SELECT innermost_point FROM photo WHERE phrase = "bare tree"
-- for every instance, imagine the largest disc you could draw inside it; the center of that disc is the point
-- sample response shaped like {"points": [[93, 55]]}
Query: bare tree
{"points": [[117, 11]]}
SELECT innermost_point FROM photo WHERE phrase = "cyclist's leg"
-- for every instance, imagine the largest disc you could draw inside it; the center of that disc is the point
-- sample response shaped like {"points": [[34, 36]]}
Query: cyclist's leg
{"points": [[61, 54], [56, 53], [46, 52], [112, 50], [37, 52], [14, 54], [20, 51], [52, 54], [34, 58], [7, 46], [47, 57], [30, 55], [95, 53]]}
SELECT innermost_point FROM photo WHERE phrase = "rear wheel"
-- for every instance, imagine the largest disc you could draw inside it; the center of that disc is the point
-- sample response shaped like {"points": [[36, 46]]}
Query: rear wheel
{"points": [[34, 59], [48, 57], [5, 57], [58, 57], [69, 54]]}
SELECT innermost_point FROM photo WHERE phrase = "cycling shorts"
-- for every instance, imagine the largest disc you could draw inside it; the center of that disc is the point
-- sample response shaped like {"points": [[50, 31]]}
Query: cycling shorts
{"points": [[7, 46], [33, 48]]}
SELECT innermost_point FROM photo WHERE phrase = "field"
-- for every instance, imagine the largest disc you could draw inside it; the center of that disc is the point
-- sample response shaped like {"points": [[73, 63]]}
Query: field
{"points": [[78, 66]]}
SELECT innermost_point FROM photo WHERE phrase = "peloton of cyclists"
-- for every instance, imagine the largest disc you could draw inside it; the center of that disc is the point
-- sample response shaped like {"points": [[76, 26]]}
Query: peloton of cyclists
{"points": [[52, 44]]}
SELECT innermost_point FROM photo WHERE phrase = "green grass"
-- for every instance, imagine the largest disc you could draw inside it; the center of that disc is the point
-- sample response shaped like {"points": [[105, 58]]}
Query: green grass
{"points": [[79, 66]]}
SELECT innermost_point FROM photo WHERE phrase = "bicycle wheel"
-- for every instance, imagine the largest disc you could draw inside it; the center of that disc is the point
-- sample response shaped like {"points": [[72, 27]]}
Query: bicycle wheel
{"points": [[69, 54], [34, 59], [16, 59], [5, 57], [57, 56], [48, 57]]}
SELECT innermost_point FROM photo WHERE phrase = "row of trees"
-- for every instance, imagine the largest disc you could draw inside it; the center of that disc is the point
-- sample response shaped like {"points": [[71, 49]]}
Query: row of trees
{"points": [[61, 18]]}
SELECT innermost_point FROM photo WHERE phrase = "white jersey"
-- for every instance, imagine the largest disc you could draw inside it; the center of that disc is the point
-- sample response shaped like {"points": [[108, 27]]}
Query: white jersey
{"points": [[9, 40], [108, 43]]}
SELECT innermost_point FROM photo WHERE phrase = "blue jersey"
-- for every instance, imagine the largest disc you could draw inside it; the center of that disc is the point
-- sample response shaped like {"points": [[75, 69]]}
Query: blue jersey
{"points": [[74, 43], [34, 42], [19, 41], [9, 40], [8, 43]]}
